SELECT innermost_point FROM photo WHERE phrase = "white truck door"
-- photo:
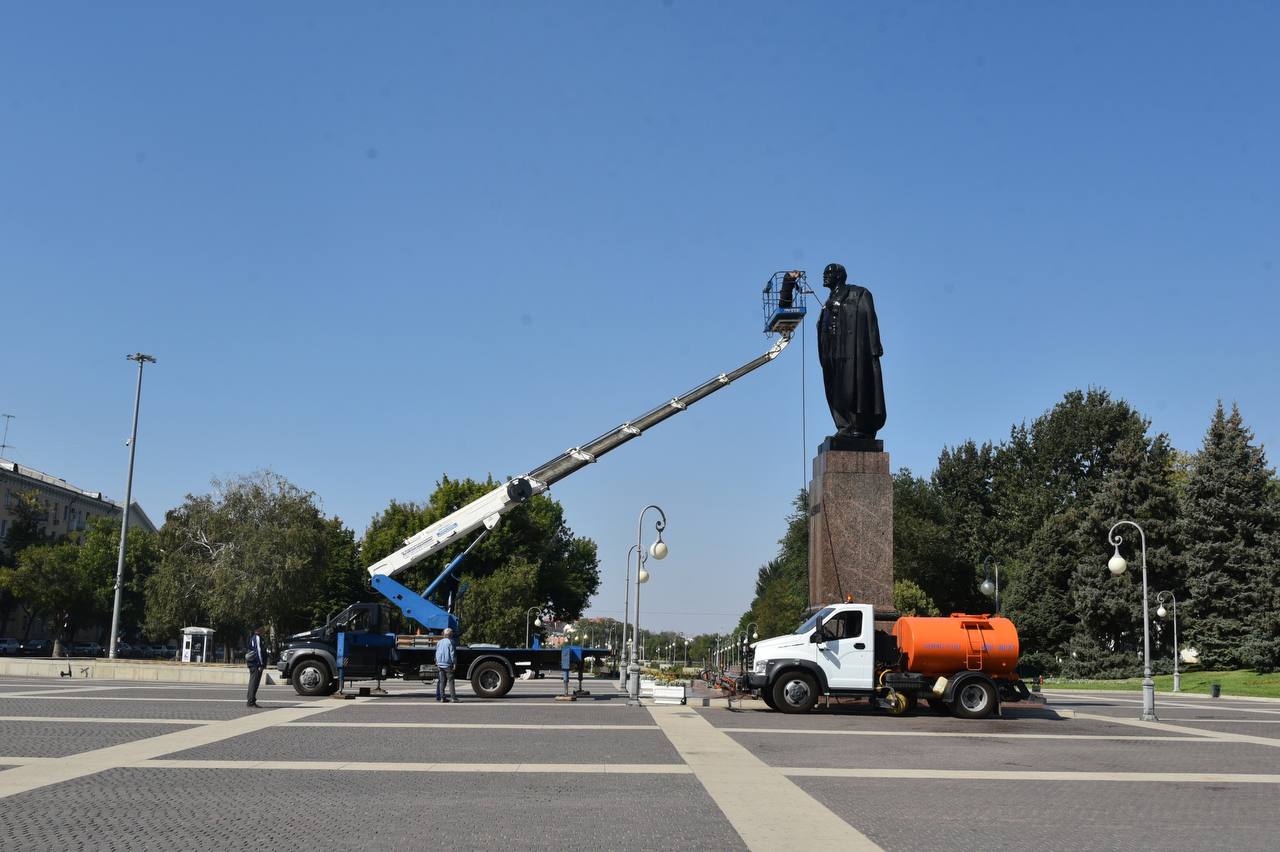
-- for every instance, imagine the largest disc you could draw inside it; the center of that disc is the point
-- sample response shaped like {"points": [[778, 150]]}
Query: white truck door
{"points": [[848, 656]]}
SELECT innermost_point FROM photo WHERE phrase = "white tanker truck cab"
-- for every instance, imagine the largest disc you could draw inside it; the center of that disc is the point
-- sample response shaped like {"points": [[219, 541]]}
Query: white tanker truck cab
{"points": [[838, 652]]}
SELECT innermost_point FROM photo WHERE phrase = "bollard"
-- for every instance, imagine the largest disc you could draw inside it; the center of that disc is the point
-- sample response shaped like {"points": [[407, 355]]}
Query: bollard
{"points": [[1215, 690]]}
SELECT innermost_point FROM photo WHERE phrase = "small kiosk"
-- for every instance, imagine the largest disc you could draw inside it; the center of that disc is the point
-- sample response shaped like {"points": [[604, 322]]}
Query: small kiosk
{"points": [[196, 643]]}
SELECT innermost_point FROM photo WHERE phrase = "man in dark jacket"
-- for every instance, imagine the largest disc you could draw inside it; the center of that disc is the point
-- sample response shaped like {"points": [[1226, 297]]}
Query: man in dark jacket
{"points": [[256, 658], [849, 350]]}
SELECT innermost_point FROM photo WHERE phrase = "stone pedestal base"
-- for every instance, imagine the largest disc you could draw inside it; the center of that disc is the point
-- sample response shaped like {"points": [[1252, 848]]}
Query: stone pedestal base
{"points": [[851, 528]]}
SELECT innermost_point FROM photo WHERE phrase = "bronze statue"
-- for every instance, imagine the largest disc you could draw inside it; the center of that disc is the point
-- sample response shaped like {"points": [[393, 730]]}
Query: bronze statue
{"points": [[849, 350]]}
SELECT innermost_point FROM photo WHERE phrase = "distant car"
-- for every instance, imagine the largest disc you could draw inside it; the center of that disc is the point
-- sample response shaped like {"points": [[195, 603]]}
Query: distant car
{"points": [[37, 648], [171, 652], [10, 647], [86, 649], [156, 652]]}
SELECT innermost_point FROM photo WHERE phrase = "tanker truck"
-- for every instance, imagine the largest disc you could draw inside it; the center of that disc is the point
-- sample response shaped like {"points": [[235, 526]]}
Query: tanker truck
{"points": [[963, 664]]}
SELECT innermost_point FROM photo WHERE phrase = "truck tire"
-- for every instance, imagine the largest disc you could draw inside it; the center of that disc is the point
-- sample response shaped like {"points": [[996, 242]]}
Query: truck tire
{"points": [[795, 692], [311, 677], [974, 699], [491, 679], [766, 695]]}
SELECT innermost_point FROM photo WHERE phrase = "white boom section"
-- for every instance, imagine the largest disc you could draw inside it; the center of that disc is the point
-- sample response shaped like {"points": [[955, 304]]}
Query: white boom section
{"points": [[487, 510]]}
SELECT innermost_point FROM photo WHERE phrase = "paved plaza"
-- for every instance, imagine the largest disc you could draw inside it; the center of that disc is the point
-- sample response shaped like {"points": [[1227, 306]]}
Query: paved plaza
{"points": [[89, 764]]}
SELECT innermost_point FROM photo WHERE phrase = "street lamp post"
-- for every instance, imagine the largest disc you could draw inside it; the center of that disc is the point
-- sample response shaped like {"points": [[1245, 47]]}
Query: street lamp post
{"points": [[128, 501], [537, 622], [991, 590], [623, 648], [658, 550], [1117, 566], [1161, 597]]}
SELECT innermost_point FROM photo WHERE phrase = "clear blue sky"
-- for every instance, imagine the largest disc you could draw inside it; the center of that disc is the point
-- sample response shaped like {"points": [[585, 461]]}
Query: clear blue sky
{"points": [[375, 243]]}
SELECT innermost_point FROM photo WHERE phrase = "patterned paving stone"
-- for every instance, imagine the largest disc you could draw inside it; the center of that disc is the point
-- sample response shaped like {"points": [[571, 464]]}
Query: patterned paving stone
{"points": [[125, 810], [44, 739]]}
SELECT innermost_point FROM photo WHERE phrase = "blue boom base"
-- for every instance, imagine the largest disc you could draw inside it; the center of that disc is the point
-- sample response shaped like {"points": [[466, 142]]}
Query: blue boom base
{"points": [[415, 606]]}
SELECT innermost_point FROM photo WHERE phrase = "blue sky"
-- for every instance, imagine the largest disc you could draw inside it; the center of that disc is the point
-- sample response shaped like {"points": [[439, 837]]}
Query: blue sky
{"points": [[375, 243]]}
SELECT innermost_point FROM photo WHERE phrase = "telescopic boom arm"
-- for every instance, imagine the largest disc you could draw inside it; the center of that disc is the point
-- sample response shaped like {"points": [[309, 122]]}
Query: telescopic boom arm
{"points": [[488, 509]]}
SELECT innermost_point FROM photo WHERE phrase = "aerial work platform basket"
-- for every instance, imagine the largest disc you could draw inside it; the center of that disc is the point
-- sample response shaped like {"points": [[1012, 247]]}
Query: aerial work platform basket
{"points": [[783, 301]]}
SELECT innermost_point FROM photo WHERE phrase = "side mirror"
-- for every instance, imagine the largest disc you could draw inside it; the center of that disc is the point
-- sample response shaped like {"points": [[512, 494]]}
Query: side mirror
{"points": [[818, 635]]}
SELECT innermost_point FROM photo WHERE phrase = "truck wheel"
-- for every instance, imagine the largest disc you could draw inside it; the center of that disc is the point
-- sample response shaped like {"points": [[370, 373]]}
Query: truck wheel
{"points": [[311, 678], [795, 692], [974, 700], [491, 680], [766, 695]]}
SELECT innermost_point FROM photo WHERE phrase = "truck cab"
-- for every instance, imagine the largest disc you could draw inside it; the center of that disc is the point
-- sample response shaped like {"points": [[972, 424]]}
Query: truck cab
{"points": [[834, 651]]}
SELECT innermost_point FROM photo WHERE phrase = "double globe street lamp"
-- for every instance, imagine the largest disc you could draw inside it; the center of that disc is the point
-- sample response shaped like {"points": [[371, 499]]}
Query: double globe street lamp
{"points": [[1117, 566], [658, 550]]}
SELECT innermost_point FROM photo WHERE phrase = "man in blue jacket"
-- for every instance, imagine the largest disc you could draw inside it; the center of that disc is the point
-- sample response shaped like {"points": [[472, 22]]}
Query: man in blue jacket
{"points": [[446, 659], [256, 658]]}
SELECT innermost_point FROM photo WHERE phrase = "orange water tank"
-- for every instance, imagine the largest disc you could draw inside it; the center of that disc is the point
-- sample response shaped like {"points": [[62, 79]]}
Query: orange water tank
{"points": [[944, 646]]}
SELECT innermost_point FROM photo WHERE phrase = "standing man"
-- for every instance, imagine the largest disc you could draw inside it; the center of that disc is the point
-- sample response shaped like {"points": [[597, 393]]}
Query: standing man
{"points": [[850, 351], [445, 661], [256, 658]]}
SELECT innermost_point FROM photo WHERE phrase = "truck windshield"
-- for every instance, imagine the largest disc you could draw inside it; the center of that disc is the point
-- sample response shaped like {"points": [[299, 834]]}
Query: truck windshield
{"points": [[813, 620]]}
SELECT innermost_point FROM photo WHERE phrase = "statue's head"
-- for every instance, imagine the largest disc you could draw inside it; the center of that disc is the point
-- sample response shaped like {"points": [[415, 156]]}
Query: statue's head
{"points": [[833, 276]]}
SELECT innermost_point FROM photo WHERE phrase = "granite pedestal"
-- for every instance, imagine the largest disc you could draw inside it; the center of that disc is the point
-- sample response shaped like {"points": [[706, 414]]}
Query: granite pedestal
{"points": [[851, 526]]}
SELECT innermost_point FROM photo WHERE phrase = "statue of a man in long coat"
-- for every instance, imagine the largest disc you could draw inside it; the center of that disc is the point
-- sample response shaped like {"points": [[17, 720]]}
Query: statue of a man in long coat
{"points": [[849, 350]]}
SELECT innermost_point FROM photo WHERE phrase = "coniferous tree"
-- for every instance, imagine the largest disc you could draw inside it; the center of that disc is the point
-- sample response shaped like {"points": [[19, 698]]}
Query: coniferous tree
{"points": [[1107, 640], [1229, 531]]}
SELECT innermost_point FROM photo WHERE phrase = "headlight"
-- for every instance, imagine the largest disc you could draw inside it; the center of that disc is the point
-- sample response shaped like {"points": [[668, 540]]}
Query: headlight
{"points": [[287, 653], [760, 666]]}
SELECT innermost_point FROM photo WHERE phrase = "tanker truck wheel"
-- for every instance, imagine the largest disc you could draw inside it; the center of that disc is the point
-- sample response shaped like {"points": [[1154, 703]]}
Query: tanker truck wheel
{"points": [[974, 700], [795, 692]]}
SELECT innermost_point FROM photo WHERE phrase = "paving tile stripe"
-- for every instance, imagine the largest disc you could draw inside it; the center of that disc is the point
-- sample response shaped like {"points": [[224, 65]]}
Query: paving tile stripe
{"points": [[1027, 775], [149, 700], [767, 810], [106, 721], [1202, 732], [34, 775], [968, 734], [473, 725], [385, 766]]}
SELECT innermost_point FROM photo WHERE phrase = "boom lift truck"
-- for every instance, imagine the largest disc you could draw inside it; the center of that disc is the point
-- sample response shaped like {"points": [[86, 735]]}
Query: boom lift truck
{"points": [[357, 643]]}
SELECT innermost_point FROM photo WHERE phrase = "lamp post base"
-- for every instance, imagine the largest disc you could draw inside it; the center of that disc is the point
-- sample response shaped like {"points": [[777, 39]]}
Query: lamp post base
{"points": [[1149, 700], [1177, 681], [633, 685]]}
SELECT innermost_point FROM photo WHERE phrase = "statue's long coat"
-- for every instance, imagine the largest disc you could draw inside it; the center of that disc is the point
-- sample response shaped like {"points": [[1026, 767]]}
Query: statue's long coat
{"points": [[849, 350]]}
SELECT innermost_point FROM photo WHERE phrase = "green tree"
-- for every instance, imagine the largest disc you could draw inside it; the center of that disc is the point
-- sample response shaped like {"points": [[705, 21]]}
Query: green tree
{"points": [[1229, 532], [52, 583], [1044, 480], [782, 584], [99, 554], [1107, 636], [256, 550], [532, 537], [925, 553], [910, 599]]}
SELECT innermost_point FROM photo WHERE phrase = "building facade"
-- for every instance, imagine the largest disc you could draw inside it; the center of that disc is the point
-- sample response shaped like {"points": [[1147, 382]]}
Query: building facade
{"points": [[66, 508]]}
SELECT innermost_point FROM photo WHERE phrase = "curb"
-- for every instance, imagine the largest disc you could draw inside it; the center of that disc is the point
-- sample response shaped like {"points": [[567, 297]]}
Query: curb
{"points": [[131, 670]]}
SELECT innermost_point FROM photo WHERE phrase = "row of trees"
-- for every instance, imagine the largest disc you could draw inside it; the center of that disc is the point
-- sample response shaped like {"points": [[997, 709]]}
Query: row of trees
{"points": [[1041, 504], [259, 550]]}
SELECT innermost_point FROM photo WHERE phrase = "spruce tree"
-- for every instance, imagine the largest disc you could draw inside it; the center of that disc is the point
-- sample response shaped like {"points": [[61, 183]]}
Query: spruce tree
{"points": [[1107, 636], [1229, 532]]}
